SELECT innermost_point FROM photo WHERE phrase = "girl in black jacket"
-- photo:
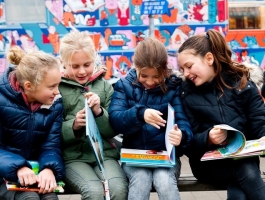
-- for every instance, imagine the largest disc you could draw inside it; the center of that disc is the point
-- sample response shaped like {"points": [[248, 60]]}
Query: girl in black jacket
{"points": [[219, 91]]}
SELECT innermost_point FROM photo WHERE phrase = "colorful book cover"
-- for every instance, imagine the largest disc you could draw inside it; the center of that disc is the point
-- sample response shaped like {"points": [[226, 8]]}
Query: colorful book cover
{"points": [[237, 146], [95, 141], [15, 186], [153, 158]]}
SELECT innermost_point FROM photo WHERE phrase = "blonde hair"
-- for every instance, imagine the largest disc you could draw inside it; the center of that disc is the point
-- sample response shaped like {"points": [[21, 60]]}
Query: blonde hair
{"points": [[76, 41], [32, 66]]}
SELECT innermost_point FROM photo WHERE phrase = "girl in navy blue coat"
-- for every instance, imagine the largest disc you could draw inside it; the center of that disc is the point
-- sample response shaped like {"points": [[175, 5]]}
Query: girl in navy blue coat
{"points": [[30, 124], [220, 91], [138, 110]]}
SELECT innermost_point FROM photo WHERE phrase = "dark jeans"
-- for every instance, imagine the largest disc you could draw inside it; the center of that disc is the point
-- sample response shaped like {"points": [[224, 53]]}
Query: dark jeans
{"points": [[242, 177]]}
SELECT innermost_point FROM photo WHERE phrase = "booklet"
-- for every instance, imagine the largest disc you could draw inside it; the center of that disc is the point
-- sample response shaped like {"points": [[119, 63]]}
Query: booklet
{"points": [[15, 186], [95, 140], [236, 147], [153, 158]]}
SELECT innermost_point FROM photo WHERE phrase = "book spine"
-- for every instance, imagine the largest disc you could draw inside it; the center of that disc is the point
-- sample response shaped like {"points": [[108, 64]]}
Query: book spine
{"points": [[144, 156]]}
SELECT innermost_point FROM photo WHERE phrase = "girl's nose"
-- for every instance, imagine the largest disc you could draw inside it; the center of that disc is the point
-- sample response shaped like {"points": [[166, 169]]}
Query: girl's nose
{"points": [[56, 91], [186, 73], [150, 82], [82, 70]]}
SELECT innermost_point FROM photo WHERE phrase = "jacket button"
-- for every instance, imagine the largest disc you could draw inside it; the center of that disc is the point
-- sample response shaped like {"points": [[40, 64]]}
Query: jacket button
{"points": [[182, 92]]}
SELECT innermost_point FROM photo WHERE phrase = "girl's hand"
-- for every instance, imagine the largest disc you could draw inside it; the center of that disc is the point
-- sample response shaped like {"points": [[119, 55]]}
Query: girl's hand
{"points": [[153, 118], [93, 102], [80, 120], [217, 136], [47, 182], [26, 176], [175, 135], [262, 138]]}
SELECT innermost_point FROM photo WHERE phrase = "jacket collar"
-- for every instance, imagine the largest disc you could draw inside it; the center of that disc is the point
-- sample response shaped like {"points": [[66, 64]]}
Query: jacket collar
{"points": [[99, 73]]}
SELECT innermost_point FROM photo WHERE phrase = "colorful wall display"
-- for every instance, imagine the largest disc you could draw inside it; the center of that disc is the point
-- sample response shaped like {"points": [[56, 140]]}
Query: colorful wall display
{"points": [[116, 26]]}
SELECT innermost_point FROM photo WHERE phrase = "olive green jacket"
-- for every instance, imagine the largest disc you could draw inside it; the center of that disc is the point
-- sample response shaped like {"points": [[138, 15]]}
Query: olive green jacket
{"points": [[79, 149]]}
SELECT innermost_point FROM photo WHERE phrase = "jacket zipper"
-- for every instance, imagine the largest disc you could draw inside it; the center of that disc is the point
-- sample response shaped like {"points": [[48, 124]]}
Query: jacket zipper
{"points": [[144, 135], [220, 108]]}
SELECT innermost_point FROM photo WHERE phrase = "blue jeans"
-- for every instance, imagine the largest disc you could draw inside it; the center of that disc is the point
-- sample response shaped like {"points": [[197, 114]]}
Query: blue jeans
{"points": [[86, 180], [164, 180], [242, 177]]}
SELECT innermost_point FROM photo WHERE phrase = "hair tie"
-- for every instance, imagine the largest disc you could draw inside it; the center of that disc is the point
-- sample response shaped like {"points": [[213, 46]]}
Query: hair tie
{"points": [[207, 35]]}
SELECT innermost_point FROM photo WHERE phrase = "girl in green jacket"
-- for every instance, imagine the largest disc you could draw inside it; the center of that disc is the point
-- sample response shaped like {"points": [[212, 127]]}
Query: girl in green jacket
{"points": [[82, 80]]}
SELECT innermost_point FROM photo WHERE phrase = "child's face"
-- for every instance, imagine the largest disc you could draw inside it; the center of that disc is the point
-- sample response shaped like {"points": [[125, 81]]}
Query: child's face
{"points": [[148, 77], [82, 67], [198, 70], [47, 90]]}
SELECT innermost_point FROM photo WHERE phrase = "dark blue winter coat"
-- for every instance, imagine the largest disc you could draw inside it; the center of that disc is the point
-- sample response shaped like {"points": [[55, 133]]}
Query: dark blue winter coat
{"points": [[206, 106], [27, 135], [131, 99]]}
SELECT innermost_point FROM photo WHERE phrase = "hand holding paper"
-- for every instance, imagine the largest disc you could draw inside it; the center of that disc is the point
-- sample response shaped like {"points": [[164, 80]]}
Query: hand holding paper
{"points": [[47, 182], [80, 120], [93, 101], [175, 135], [26, 176], [217, 135], [153, 117]]}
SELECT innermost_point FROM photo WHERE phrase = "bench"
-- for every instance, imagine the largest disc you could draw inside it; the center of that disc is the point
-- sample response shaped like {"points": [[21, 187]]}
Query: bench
{"points": [[186, 183]]}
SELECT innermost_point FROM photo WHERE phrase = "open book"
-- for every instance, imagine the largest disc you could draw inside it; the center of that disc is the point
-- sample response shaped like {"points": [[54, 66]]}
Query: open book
{"points": [[95, 141], [15, 186], [236, 147], [153, 158]]}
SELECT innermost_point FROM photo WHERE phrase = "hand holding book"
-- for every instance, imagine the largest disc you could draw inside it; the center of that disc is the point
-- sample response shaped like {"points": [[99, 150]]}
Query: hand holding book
{"points": [[218, 135], [236, 147], [175, 135], [31, 180]]}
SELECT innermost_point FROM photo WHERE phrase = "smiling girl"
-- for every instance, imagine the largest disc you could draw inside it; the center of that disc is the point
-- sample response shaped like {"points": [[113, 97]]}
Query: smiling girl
{"points": [[139, 110], [82, 79], [218, 90], [30, 124]]}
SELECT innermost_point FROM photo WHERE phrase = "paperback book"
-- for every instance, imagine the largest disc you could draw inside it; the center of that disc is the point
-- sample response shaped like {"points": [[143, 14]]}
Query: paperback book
{"points": [[153, 158], [15, 186], [236, 146], [95, 140]]}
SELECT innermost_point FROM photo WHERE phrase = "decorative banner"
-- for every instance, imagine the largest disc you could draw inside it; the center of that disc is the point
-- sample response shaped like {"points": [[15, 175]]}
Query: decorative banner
{"points": [[212, 11], [154, 7]]}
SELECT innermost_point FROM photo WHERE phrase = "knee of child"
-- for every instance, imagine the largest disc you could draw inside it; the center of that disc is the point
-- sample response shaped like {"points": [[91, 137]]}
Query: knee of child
{"points": [[118, 188], [92, 193]]}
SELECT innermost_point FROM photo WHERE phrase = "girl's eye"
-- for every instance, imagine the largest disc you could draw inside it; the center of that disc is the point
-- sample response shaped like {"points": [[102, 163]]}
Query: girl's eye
{"points": [[189, 66]]}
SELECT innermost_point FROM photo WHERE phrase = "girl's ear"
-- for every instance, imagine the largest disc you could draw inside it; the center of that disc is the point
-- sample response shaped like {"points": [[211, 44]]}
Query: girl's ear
{"points": [[28, 86], [209, 58]]}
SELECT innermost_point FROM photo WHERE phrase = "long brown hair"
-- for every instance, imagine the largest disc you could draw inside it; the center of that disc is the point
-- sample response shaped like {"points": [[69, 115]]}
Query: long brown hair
{"points": [[214, 42], [151, 53]]}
